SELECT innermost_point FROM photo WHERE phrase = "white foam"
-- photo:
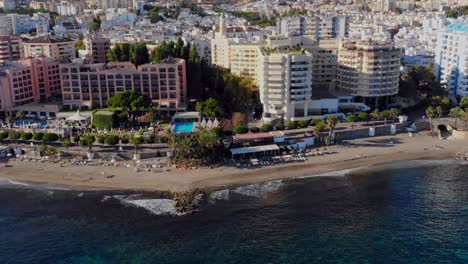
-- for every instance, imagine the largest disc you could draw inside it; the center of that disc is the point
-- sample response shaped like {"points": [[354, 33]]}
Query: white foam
{"points": [[259, 189], [17, 183], [155, 206], [220, 195]]}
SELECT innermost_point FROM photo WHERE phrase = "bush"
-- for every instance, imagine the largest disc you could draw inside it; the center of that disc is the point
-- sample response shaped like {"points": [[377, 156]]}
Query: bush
{"points": [[218, 131], [101, 139], [267, 127], [13, 135], [125, 139], [163, 139], [280, 126], [303, 123], [363, 116], [314, 122], [3, 135], [38, 136], [254, 129], [111, 140], [76, 139], [240, 129], [292, 125], [49, 137], [26, 136]]}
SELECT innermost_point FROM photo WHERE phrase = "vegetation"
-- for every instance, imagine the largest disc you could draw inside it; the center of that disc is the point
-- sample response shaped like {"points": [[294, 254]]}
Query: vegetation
{"points": [[26, 136], [96, 25], [135, 53], [50, 137], [292, 125], [457, 12], [130, 101], [254, 129], [420, 81], [363, 116], [203, 148], [104, 119], [88, 141], [3, 135], [255, 19], [303, 123], [159, 13], [136, 141], [331, 123], [211, 108], [433, 112], [352, 119], [111, 140], [280, 126], [46, 150], [240, 129], [38, 136], [266, 128], [318, 130]]}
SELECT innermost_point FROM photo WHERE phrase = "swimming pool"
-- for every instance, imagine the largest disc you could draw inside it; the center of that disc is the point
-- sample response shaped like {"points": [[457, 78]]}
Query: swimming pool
{"points": [[28, 122], [184, 127]]}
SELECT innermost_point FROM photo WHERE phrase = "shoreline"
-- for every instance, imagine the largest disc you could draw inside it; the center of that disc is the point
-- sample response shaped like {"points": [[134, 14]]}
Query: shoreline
{"points": [[368, 152]]}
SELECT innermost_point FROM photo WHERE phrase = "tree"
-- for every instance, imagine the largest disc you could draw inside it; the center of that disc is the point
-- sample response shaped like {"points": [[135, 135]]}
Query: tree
{"points": [[393, 113], [136, 141], [241, 129], [375, 115], [352, 119], [10, 119], [464, 103], [303, 123], [20, 115], [456, 113], [432, 112], [266, 128], [140, 103], [96, 24], [139, 54], [318, 130], [210, 108], [280, 126], [120, 52], [332, 121], [66, 143], [363, 116], [239, 118], [88, 141]]}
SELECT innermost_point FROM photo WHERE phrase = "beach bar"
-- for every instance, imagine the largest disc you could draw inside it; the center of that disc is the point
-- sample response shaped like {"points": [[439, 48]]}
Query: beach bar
{"points": [[265, 149]]}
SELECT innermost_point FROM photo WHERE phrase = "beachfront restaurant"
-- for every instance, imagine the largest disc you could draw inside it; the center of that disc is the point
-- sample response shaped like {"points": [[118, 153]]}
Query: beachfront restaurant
{"points": [[264, 150]]}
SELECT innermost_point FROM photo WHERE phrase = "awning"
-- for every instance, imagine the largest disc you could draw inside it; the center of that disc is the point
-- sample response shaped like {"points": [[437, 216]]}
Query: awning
{"points": [[77, 117], [255, 149]]}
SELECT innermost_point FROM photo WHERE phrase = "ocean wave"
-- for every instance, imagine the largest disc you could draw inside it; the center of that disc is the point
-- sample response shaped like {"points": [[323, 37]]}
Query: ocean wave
{"points": [[154, 206], [220, 195], [259, 190], [18, 183]]}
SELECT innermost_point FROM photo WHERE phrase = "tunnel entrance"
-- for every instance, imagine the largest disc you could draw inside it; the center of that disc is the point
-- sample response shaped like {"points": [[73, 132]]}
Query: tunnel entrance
{"points": [[443, 131]]}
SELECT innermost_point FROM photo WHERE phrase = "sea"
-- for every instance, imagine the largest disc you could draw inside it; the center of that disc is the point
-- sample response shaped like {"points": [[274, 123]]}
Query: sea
{"points": [[404, 212]]}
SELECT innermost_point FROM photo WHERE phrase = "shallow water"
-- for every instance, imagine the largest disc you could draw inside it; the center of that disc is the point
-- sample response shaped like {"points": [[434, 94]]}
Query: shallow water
{"points": [[396, 214]]}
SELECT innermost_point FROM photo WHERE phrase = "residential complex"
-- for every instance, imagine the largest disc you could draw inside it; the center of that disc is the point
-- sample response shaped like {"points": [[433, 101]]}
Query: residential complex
{"points": [[29, 80], [11, 48], [368, 70], [98, 47], [317, 26], [451, 58], [59, 48], [87, 86]]}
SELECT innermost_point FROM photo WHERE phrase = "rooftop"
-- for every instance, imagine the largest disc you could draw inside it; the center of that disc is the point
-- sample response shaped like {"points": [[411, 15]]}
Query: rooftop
{"points": [[461, 26], [47, 39]]}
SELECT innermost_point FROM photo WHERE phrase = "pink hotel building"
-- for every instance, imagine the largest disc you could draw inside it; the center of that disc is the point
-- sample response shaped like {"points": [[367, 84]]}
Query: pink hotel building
{"points": [[29, 80], [87, 86]]}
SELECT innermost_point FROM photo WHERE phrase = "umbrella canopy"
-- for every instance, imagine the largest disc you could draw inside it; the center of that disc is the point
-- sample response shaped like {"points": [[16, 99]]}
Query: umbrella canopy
{"points": [[77, 117]]}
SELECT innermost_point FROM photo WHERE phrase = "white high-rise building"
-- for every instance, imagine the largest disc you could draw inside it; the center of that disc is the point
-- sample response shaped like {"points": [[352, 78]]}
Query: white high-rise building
{"points": [[451, 58], [285, 84], [321, 27]]}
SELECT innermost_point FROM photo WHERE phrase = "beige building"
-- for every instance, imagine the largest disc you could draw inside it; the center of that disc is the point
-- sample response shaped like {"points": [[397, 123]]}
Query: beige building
{"points": [[59, 48], [368, 70]]}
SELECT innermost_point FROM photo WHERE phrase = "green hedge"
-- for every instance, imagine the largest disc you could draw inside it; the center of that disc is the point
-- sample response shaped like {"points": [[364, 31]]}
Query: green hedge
{"points": [[101, 139], [38, 136], [111, 140], [280, 126], [26, 136], [13, 135], [125, 139], [49, 137], [254, 129], [105, 120], [241, 129], [266, 128], [3, 135]]}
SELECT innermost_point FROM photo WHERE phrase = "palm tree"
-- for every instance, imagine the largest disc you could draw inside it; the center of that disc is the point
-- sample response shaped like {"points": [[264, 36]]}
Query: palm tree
{"points": [[331, 124], [394, 113], [456, 113], [431, 113], [10, 119], [136, 141], [318, 130], [88, 141], [20, 115], [66, 143], [375, 115]]}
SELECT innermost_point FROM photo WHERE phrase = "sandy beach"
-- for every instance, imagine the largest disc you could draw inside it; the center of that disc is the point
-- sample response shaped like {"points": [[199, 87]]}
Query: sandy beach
{"points": [[363, 152]]}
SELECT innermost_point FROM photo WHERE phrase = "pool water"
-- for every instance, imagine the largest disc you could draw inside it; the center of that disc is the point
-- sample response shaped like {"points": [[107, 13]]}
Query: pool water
{"points": [[184, 127], [30, 122]]}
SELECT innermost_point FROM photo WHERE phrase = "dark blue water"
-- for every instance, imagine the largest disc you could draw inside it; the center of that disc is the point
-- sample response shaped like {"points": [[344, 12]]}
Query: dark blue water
{"points": [[389, 215]]}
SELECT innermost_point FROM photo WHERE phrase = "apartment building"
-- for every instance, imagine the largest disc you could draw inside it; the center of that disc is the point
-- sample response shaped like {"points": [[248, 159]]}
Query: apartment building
{"points": [[244, 60], [11, 48], [98, 47], [88, 86], [451, 58], [29, 80], [59, 48], [285, 84], [319, 26], [368, 70]]}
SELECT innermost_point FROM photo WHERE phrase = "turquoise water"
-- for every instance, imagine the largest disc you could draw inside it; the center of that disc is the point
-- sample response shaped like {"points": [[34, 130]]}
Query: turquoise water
{"points": [[401, 214], [30, 122], [184, 127]]}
